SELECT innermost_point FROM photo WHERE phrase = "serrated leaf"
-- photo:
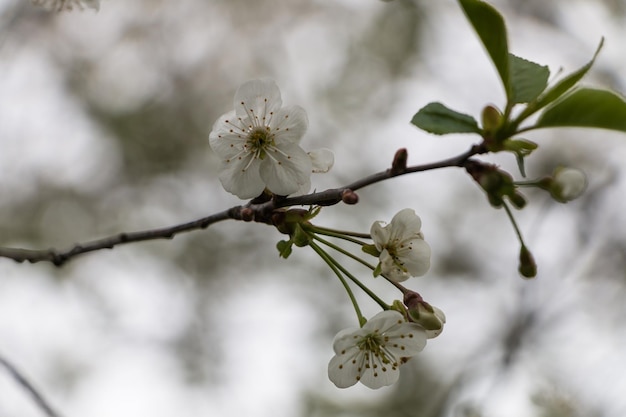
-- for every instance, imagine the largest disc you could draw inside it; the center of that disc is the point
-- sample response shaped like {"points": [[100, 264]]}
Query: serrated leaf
{"points": [[528, 79], [586, 107], [491, 29], [440, 120], [566, 83]]}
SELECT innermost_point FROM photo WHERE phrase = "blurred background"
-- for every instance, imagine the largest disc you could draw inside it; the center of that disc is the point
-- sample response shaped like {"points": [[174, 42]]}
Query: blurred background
{"points": [[104, 123]]}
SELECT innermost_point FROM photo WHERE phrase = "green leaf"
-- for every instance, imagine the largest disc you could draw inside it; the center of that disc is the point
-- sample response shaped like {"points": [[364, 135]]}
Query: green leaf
{"points": [[528, 79], [491, 29], [586, 107], [440, 120], [565, 84]]}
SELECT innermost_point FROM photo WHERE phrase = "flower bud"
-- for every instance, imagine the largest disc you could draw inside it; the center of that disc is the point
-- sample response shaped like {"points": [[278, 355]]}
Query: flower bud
{"points": [[527, 265], [567, 184], [431, 318]]}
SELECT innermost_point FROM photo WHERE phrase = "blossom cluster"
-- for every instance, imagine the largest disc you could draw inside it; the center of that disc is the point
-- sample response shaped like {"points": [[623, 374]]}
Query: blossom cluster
{"points": [[258, 143]]}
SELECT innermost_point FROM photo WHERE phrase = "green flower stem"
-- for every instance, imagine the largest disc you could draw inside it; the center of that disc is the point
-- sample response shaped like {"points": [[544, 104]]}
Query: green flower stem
{"points": [[399, 286], [340, 234], [529, 183], [345, 252], [514, 223], [347, 273], [332, 264]]}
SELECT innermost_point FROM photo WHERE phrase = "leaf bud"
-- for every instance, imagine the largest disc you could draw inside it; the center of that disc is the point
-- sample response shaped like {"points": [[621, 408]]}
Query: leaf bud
{"points": [[492, 119], [349, 197]]}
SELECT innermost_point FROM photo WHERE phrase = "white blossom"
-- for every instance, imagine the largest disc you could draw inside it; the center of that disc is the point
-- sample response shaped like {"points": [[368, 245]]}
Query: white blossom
{"points": [[258, 143], [373, 353], [403, 251]]}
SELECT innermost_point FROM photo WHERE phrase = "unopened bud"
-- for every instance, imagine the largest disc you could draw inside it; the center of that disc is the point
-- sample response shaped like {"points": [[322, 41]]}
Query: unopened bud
{"points": [[567, 184], [492, 119], [398, 166], [527, 265], [431, 318], [247, 214], [349, 197]]}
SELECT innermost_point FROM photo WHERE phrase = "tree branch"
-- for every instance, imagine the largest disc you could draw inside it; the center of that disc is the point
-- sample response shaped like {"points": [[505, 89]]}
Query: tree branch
{"points": [[258, 210], [22, 381], [58, 258]]}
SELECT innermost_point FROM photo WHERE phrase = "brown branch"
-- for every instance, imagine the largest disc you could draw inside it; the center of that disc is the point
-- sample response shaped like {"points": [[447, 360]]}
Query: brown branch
{"points": [[58, 258], [22, 381], [258, 210]]}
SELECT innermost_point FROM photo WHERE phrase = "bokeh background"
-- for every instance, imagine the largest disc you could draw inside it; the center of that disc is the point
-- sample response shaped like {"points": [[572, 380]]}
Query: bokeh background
{"points": [[104, 120]]}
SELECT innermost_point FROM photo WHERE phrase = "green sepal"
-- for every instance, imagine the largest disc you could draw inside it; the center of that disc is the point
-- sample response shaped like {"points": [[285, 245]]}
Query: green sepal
{"points": [[284, 248], [300, 237], [586, 107], [440, 120], [378, 270], [370, 250], [398, 306], [521, 148]]}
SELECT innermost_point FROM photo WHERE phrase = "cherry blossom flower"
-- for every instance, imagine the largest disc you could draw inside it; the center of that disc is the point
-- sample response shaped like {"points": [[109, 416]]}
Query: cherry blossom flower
{"points": [[258, 143], [373, 353], [403, 251], [60, 5]]}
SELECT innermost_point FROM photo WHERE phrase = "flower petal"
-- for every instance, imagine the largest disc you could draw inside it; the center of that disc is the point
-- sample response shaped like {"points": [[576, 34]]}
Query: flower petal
{"points": [[228, 136], [241, 177], [285, 169], [384, 321], [416, 259], [380, 235], [406, 224], [322, 160], [343, 368], [289, 124], [257, 99], [391, 269], [406, 341], [346, 338], [380, 374]]}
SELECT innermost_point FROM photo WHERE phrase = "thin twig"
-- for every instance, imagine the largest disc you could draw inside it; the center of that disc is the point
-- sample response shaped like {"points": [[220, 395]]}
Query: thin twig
{"points": [[58, 258], [24, 383], [254, 211]]}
